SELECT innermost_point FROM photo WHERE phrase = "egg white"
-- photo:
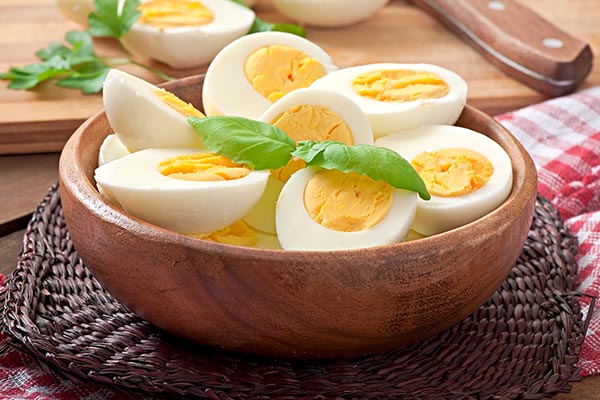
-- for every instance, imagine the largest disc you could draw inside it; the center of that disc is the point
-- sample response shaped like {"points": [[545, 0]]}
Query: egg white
{"points": [[140, 119], [296, 229], [226, 90], [180, 205], [111, 149], [262, 216], [341, 105], [386, 117], [76, 10], [330, 13], [191, 46], [441, 214]]}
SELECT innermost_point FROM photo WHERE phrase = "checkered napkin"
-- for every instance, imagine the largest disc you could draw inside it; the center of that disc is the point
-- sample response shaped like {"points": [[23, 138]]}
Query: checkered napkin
{"points": [[563, 137]]}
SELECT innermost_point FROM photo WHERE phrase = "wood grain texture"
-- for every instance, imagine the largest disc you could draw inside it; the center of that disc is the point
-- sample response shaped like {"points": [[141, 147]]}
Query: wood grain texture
{"points": [[294, 304], [398, 33], [24, 181]]}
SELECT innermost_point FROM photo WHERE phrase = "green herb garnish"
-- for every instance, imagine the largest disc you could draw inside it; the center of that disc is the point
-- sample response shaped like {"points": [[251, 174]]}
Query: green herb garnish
{"points": [[376, 162], [261, 25], [260, 145], [77, 66], [106, 21], [263, 146]]}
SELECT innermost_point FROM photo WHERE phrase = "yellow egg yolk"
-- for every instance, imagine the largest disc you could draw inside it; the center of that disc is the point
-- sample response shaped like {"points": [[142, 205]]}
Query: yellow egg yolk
{"points": [[310, 122], [347, 202], [237, 234], [183, 108], [202, 167], [276, 70], [400, 85], [454, 171], [174, 13]]}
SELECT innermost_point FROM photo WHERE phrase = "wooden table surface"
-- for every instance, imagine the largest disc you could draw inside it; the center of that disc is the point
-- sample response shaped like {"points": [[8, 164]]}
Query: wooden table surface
{"points": [[24, 179]]}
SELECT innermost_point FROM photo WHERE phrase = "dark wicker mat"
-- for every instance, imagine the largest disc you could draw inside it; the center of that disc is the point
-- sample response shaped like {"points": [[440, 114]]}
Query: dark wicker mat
{"points": [[523, 343]]}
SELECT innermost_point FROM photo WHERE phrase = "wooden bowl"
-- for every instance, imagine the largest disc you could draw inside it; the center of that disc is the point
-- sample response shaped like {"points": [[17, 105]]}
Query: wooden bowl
{"points": [[291, 303]]}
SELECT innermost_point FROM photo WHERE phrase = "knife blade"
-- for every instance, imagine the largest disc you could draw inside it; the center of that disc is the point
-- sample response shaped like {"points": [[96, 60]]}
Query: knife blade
{"points": [[518, 41]]}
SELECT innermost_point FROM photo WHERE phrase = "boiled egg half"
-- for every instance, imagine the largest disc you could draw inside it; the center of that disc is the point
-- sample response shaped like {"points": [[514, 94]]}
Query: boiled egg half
{"points": [[185, 190], [330, 13], [400, 96], [145, 116], [76, 10], [467, 174], [253, 72], [307, 114], [111, 149], [186, 33], [321, 209]]}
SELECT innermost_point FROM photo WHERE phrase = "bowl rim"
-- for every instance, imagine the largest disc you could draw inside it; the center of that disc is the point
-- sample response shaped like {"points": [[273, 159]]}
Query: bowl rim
{"points": [[74, 178]]}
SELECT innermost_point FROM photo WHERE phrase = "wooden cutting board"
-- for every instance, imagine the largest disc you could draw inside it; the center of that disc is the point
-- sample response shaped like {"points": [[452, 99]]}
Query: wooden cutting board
{"points": [[42, 120]]}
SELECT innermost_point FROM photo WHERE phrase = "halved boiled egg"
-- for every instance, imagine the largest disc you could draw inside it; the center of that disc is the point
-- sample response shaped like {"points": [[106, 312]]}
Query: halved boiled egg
{"points": [[186, 190], [330, 13], [400, 96], [111, 149], [76, 10], [186, 33], [467, 174], [307, 114], [322, 209], [253, 72], [145, 116]]}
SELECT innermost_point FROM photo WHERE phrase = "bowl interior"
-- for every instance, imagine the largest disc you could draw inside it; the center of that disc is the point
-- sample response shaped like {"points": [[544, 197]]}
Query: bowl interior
{"points": [[294, 303]]}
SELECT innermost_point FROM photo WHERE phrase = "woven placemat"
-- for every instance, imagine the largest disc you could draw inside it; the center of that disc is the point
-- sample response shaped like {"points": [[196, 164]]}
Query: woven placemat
{"points": [[523, 343]]}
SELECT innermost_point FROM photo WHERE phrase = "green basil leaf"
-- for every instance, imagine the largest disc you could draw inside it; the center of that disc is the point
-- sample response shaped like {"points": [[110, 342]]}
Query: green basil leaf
{"points": [[376, 162], [243, 140]]}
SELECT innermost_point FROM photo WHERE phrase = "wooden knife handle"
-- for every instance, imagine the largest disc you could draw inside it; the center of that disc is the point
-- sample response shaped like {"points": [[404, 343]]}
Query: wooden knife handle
{"points": [[518, 41]]}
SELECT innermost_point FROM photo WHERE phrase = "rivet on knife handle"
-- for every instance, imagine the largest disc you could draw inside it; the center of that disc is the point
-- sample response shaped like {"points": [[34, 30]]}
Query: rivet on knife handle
{"points": [[518, 41]]}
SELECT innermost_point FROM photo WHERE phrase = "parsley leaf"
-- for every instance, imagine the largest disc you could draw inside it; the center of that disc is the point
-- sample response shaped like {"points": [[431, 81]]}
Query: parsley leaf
{"points": [[376, 162], [260, 145], [31, 75], [89, 78], [260, 25], [54, 49], [83, 48], [107, 21]]}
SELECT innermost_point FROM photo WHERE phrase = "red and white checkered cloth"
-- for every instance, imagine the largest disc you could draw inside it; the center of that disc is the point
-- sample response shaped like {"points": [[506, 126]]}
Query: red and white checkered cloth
{"points": [[563, 137]]}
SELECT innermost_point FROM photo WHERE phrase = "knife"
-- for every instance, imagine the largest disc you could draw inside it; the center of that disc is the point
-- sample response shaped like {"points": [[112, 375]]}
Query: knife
{"points": [[521, 43]]}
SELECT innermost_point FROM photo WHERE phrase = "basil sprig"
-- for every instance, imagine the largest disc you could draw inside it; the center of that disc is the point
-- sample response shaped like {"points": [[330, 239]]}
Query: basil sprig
{"points": [[263, 146]]}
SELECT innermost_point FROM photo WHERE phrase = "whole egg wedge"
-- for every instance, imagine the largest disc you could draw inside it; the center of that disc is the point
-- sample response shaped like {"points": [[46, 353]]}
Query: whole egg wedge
{"points": [[76, 10], [324, 210], [400, 96], [185, 190], [186, 33], [330, 13], [467, 174], [254, 71], [145, 116], [307, 114]]}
